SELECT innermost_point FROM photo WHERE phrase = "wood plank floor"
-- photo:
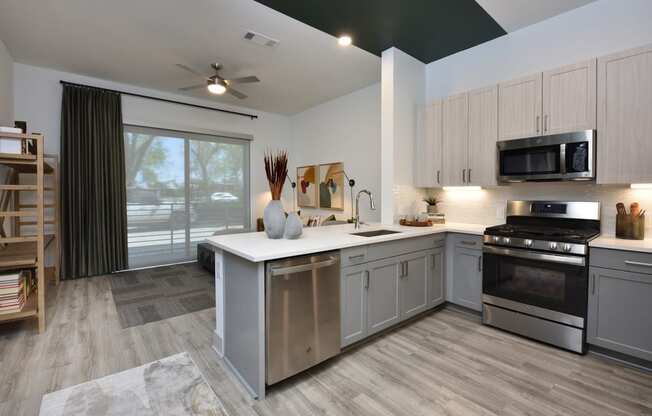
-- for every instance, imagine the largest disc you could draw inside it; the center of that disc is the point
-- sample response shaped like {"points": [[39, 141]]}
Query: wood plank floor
{"points": [[444, 364]]}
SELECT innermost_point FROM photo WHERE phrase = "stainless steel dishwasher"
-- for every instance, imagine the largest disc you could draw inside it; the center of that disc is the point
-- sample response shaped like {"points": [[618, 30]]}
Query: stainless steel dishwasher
{"points": [[302, 313]]}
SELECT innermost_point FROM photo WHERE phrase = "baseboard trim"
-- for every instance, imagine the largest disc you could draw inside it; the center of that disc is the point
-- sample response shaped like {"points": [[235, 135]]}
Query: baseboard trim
{"points": [[627, 360]]}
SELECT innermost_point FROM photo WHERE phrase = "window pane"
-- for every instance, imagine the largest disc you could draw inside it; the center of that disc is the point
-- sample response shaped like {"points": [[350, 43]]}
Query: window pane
{"points": [[218, 192], [181, 189], [156, 215]]}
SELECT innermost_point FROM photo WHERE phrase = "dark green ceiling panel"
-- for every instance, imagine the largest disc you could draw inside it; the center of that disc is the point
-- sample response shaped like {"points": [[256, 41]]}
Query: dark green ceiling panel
{"points": [[426, 29]]}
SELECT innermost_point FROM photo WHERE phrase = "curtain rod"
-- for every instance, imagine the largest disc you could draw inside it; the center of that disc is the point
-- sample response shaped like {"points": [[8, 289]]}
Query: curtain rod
{"points": [[252, 116]]}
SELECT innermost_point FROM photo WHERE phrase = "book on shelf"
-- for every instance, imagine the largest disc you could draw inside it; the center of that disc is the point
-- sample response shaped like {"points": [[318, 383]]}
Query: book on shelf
{"points": [[14, 290]]}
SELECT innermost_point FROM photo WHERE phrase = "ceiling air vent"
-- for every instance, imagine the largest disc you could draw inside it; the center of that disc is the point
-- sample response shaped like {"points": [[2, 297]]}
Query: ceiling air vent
{"points": [[260, 39]]}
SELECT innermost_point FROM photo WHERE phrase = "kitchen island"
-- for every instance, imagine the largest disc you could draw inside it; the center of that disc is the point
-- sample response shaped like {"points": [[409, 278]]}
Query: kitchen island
{"points": [[240, 267]]}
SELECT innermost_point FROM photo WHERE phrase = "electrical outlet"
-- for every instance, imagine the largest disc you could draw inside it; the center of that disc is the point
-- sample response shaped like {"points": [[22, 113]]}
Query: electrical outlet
{"points": [[500, 212]]}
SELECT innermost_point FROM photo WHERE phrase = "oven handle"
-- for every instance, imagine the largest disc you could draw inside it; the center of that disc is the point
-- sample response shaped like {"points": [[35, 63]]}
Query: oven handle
{"points": [[533, 255]]}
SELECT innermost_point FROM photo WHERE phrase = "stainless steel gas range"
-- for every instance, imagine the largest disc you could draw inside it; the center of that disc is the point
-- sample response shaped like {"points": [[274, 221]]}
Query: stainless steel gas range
{"points": [[535, 275]]}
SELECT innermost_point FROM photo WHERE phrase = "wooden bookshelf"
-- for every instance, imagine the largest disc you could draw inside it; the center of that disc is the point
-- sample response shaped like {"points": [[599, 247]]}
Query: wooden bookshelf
{"points": [[20, 250]]}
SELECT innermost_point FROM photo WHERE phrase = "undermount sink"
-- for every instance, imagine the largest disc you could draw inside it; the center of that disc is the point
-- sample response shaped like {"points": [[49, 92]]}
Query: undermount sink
{"points": [[375, 233]]}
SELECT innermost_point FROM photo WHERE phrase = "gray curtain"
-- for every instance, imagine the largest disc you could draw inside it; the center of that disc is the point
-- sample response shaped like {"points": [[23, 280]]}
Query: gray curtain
{"points": [[93, 190]]}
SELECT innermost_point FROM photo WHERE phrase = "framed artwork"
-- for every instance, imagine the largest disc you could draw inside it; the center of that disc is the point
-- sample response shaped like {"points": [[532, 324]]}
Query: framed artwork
{"points": [[331, 186], [307, 186]]}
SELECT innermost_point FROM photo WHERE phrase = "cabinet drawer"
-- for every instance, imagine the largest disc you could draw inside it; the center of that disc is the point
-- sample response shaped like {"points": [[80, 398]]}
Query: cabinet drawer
{"points": [[631, 261], [472, 242], [354, 255], [408, 245]]}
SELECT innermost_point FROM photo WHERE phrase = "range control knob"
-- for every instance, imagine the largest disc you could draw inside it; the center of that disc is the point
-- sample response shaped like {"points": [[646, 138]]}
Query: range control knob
{"points": [[552, 246], [566, 247], [496, 239], [528, 243], [507, 240]]}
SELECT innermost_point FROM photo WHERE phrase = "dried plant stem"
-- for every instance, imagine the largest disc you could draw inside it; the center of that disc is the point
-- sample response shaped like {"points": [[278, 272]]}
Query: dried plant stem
{"points": [[276, 169]]}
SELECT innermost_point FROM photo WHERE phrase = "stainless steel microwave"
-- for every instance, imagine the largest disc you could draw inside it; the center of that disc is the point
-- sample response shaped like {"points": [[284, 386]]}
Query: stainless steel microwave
{"points": [[558, 157]]}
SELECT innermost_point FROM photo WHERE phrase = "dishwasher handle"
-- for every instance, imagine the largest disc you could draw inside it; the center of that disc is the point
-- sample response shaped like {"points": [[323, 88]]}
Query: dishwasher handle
{"points": [[278, 271]]}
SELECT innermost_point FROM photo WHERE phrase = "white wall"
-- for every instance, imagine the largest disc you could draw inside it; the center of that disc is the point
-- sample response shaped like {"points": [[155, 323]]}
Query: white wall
{"points": [[403, 94], [346, 129], [597, 29], [37, 100], [6, 87]]}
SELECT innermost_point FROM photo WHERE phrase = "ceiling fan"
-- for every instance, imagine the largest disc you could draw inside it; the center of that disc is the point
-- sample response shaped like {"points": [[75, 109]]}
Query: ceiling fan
{"points": [[217, 84]]}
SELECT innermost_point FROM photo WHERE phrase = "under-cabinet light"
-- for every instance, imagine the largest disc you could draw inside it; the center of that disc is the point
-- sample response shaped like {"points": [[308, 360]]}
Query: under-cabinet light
{"points": [[462, 188], [641, 186]]}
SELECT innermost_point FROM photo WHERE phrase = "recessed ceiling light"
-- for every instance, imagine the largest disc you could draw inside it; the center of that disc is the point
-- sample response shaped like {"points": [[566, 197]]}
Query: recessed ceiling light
{"points": [[344, 40], [216, 88]]}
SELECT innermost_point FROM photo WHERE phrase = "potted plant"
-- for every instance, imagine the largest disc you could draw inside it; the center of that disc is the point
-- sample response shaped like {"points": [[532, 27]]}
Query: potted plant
{"points": [[276, 169], [432, 202]]}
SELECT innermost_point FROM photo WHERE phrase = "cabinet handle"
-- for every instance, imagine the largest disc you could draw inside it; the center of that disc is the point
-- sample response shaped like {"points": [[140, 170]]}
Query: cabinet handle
{"points": [[593, 284], [637, 263], [468, 243], [545, 122], [438, 181], [480, 263], [469, 178], [432, 261], [537, 123], [358, 256], [366, 279], [407, 268], [463, 175]]}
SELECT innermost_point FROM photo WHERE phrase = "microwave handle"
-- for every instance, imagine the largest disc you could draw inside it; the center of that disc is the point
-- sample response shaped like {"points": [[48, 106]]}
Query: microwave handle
{"points": [[562, 158]]}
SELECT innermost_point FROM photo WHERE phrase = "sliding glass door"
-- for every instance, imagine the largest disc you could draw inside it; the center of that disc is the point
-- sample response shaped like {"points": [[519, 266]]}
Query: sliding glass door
{"points": [[181, 188]]}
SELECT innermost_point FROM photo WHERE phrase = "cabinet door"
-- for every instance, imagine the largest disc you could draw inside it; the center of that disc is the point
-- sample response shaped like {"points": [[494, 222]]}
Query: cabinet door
{"points": [[467, 278], [383, 308], [624, 122], [569, 98], [483, 133], [456, 138], [429, 147], [435, 277], [414, 284], [620, 311], [519, 108], [354, 303]]}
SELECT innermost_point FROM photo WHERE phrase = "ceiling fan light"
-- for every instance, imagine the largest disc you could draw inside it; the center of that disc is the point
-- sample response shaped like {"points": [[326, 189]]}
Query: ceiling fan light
{"points": [[216, 88]]}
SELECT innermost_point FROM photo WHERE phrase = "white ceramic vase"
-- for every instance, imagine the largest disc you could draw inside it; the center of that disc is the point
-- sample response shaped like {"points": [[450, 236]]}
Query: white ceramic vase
{"points": [[274, 219], [293, 226]]}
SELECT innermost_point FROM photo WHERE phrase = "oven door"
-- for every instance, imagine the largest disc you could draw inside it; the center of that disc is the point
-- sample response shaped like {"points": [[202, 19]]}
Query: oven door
{"points": [[546, 281]]}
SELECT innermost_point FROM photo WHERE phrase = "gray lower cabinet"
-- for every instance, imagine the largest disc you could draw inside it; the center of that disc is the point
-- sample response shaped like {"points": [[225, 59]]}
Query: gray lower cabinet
{"points": [[383, 302], [620, 310], [436, 293], [414, 284], [467, 278], [379, 294], [354, 303]]}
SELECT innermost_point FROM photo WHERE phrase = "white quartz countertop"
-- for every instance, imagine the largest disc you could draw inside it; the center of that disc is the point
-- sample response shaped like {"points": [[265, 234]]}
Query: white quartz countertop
{"points": [[644, 246], [256, 247]]}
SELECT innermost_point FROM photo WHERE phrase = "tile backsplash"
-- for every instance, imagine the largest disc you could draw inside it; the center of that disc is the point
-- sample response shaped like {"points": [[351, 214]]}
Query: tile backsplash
{"points": [[487, 206]]}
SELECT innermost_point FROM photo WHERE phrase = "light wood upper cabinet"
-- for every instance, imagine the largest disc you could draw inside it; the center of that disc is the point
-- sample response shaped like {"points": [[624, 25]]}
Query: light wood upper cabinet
{"points": [[625, 117], [519, 113], [483, 133], [569, 98], [428, 148], [456, 134]]}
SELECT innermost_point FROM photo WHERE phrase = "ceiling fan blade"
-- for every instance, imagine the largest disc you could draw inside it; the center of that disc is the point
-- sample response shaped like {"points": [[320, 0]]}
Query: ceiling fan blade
{"points": [[236, 93], [187, 68], [193, 87], [242, 80]]}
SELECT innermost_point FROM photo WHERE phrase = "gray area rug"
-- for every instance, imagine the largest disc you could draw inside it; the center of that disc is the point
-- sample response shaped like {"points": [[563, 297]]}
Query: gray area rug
{"points": [[171, 386], [150, 295]]}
